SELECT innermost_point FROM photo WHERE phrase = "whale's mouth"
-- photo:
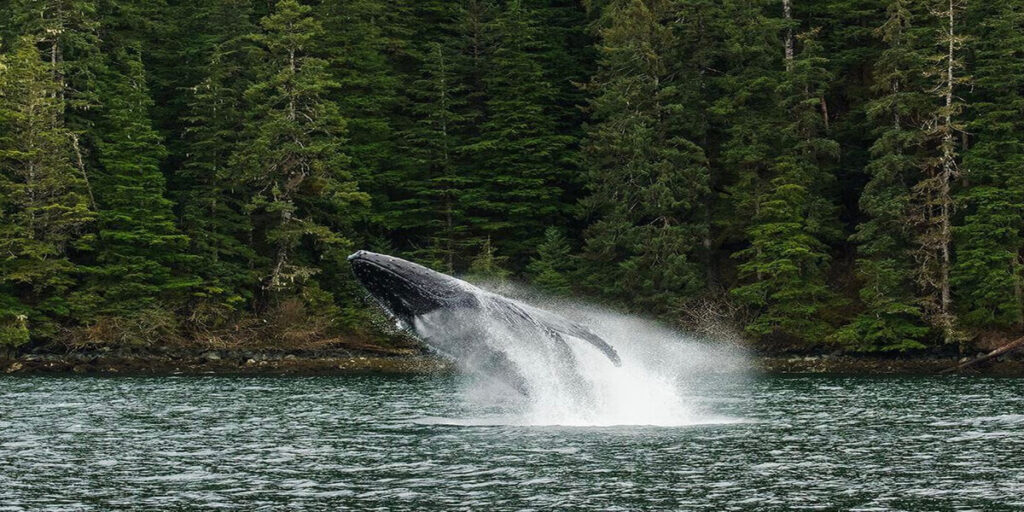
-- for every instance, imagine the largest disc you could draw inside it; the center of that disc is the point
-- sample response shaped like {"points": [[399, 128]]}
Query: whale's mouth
{"points": [[402, 288]]}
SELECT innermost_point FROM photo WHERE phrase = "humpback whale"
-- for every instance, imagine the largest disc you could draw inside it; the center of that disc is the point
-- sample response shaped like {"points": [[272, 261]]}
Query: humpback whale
{"points": [[451, 317]]}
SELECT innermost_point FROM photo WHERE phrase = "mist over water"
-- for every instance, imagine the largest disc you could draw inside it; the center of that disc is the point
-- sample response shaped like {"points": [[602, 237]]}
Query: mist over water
{"points": [[662, 375]]}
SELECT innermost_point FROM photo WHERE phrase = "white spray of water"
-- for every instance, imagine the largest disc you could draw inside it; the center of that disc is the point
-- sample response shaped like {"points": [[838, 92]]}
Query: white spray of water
{"points": [[657, 383]]}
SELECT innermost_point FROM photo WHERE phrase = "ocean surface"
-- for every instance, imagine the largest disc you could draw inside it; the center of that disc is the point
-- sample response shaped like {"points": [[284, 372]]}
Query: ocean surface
{"points": [[417, 443]]}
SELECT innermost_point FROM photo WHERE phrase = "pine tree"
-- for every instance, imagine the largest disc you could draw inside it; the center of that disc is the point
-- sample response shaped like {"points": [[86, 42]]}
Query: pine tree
{"points": [[67, 32], [487, 265], [745, 108], [989, 272], [360, 39], [303, 190], [645, 180], [933, 204], [893, 318], [44, 205], [430, 204], [568, 57]]}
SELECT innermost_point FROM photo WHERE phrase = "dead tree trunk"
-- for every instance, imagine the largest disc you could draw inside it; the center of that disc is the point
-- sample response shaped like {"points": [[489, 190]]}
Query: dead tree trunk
{"points": [[1005, 349], [787, 13]]}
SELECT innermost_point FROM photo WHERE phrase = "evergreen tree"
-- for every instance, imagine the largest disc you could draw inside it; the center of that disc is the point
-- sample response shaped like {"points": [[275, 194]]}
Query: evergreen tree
{"points": [[892, 318], [360, 38], [303, 190], [431, 203], [989, 271], [198, 161], [44, 205], [645, 180], [211, 198], [745, 109], [519, 158], [933, 204], [487, 266], [551, 268], [787, 260], [434, 206], [67, 34], [138, 245]]}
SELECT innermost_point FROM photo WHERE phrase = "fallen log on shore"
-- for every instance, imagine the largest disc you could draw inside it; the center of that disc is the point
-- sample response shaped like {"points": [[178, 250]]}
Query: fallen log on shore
{"points": [[1009, 347]]}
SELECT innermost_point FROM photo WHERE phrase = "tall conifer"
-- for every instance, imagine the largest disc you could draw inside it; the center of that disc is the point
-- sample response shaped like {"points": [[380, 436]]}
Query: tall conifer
{"points": [[784, 268], [645, 179], [893, 316], [988, 277], [138, 245], [44, 204], [303, 189]]}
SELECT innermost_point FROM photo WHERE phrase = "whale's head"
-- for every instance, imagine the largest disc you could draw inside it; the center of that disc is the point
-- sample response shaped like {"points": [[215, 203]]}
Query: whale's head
{"points": [[406, 289]]}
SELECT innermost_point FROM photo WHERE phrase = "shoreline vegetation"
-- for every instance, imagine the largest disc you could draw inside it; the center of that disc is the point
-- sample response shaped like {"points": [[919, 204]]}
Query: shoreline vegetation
{"points": [[414, 361], [817, 177]]}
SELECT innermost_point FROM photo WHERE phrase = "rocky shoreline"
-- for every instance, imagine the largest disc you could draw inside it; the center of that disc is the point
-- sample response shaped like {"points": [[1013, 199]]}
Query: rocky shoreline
{"points": [[351, 363]]}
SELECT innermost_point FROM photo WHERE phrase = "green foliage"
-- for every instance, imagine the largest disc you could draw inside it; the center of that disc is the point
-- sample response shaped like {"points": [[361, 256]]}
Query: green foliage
{"points": [[138, 244], [211, 197], [303, 192], [182, 167], [645, 179], [551, 269], [487, 265], [44, 207], [893, 317], [519, 157], [784, 269], [989, 273]]}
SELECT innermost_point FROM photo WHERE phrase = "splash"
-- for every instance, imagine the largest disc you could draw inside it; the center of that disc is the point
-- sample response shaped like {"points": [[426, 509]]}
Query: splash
{"points": [[659, 382]]}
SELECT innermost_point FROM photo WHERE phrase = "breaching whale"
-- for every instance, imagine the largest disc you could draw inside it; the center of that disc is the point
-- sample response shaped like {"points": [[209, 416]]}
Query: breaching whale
{"points": [[422, 299]]}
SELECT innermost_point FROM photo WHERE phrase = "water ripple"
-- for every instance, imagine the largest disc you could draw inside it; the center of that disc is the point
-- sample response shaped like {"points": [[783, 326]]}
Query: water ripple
{"points": [[375, 443]]}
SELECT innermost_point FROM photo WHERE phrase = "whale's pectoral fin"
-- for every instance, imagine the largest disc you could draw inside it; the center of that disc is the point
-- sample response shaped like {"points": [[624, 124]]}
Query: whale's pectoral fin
{"points": [[583, 333], [552, 324]]}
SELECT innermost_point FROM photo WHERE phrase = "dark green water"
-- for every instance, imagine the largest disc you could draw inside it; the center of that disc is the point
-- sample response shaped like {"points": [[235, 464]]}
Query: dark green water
{"points": [[375, 443]]}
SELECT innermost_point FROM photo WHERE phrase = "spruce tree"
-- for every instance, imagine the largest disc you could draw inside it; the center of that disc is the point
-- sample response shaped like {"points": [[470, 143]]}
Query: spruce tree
{"points": [[429, 202], [487, 266], [303, 191], [138, 245], [519, 159], [550, 270], [892, 318], [785, 266], [989, 272], [67, 33], [429, 209], [745, 110], [357, 40], [645, 180], [210, 197], [44, 203], [933, 205]]}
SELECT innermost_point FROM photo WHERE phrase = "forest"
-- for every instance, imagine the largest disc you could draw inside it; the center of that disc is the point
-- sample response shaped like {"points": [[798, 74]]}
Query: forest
{"points": [[846, 174]]}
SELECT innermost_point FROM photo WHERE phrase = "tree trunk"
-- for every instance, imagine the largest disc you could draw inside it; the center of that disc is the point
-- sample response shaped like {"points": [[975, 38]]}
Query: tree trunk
{"points": [[1009, 347], [787, 13], [948, 173]]}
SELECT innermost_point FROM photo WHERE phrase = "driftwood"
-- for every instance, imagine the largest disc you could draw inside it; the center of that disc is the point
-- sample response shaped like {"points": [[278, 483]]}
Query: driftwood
{"points": [[1009, 347]]}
